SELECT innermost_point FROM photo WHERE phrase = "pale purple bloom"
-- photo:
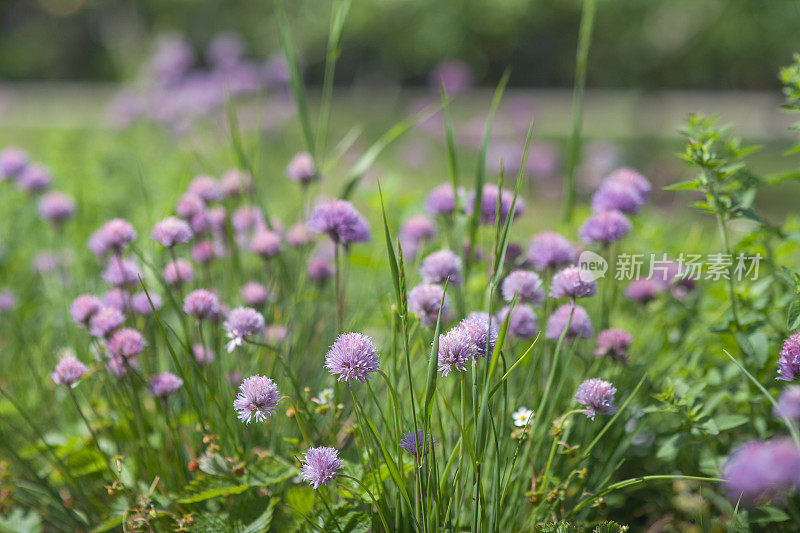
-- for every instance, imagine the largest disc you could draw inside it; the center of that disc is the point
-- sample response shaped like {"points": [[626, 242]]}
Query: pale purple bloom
{"points": [[202, 304], [352, 357], [762, 469], [257, 399], [524, 284], [424, 301], [119, 298], [105, 321], [8, 302], [605, 227], [598, 397], [454, 75], [206, 188], [35, 178], [489, 204], [548, 249], [456, 350], [321, 465], [164, 384], [579, 327], [789, 360], [84, 307], [172, 59], [789, 403], [121, 272], [12, 163], [114, 235], [299, 235], [266, 243], [416, 229], [301, 169], [247, 220], [441, 266], [613, 343], [56, 207], [615, 195], [126, 342], [522, 324], [643, 290], [441, 200], [573, 282], [189, 205], [119, 366], [275, 334], [482, 330], [172, 231], [225, 50], [203, 252], [216, 217], [178, 272], [141, 304], [236, 182], [416, 442], [340, 221], [319, 269], [255, 294], [202, 355], [242, 322], [68, 371], [631, 178]]}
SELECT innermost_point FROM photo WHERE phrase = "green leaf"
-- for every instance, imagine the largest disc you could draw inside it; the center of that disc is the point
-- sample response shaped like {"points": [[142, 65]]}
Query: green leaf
{"points": [[793, 315], [260, 524], [19, 521], [730, 421], [688, 185], [206, 488], [300, 499]]}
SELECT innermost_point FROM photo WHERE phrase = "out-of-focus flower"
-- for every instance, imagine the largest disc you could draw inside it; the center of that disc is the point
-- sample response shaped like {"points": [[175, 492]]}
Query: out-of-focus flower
{"points": [[257, 399], [352, 357], [299, 235], [84, 307], [321, 465], [164, 384], [615, 195], [243, 322], [126, 342], [524, 284], [8, 302], [631, 178], [202, 304], [302, 169], [172, 231], [522, 416], [573, 282], [579, 327], [643, 290], [141, 304], [789, 403], [454, 75], [424, 301], [340, 221], [56, 207], [598, 397], [414, 232], [266, 243], [489, 204], [119, 298], [441, 200], [236, 182], [190, 205], [35, 178], [319, 269], [417, 442], [114, 235], [762, 469], [202, 354], [178, 272], [12, 163], [522, 324], [789, 360], [105, 321], [548, 249], [68, 371], [613, 343], [120, 367], [605, 227], [255, 294], [441, 266], [207, 188], [275, 334]]}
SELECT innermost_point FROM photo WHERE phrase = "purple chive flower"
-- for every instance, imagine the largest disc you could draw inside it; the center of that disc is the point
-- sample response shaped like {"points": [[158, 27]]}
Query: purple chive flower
{"points": [[105, 321], [126, 342], [56, 207], [141, 304], [352, 357], [631, 178], [216, 217], [416, 442], [119, 366], [235, 183], [762, 469], [84, 307], [319, 269], [202, 304], [242, 322], [266, 243], [206, 188], [189, 205], [12, 163], [203, 252], [340, 221], [414, 231], [257, 399], [119, 298], [789, 360], [454, 75], [115, 235], [573, 282], [456, 350], [164, 384], [524, 284], [178, 272], [605, 227], [121, 272], [225, 50], [247, 220], [424, 301], [275, 334], [489, 204], [203, 355], [522, 324], [613, 343], [615, 195], [441, 200], [255, 294], [172, 231], [301, 169], [598, 397], [320, 465], [68, 371], [477, 325], [35, 178], [8, 302], [643, 290], [299, 235], [789, 403], [580, 327], [548, 249], [441, 266]]}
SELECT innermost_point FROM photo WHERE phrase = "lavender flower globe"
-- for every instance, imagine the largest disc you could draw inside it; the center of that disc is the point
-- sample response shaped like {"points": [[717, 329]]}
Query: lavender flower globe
{"points": [[12, 163], [105, 321], [56, 207], [643, 290], [119, 298], [178, 272], [548, 249], [126, 342], [414, 232], [416, 442], [605, 227], [789, 360], [352, 357], [598, 397], [34, 179], [8, 302], [236, 183], [165, 384], [68, 371], [115, 235], [84, 307], [255, 294], [207, 188], [424, 301], [482, 330], [242, 322], [321, 465], [140, 303], [522, 324], [579, 328], [172, 231], [275, 334], [441, 266], [203, 355], [615, 195], [789, 403], [189, 205], [525, 285], [202, 304], [203, 252], [456, 350], [266, 243], [613, 343], [762, 470], [489, 205], [455, 76], [441, 201], [631, 178], [340, 221], [319, 269], [301, 169], [257, 399], [119, 366], [299, 235], [573, 282], [121, 272]]}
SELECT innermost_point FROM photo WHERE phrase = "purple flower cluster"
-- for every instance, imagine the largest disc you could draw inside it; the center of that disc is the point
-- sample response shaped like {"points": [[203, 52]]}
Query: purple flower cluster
{"points": [[525, 285], [489, 208], [789, 360], [598, 397], [605, 227], [456, 350], [352, 356], [302, 169], [241, 323], [416, 442], [202, 304], [788, 405], [321, 465], [414, 232], [579, 324], [172, 231], [340, 221], [257, 399], [613, 343], [548, 249], [441, 201], [164, 384], [762, 470], [441, 266], [522, 323], [126, 342], [68, 371], [424, 301], [573, 282], [482, 330]]}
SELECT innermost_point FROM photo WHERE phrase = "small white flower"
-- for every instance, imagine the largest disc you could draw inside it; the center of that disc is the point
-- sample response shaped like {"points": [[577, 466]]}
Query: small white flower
{"points": [[324, 397], [522, 416]]}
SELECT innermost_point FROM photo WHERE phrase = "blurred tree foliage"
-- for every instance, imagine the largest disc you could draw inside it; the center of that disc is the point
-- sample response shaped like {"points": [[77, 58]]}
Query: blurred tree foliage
{"points": [[638, 43]]}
